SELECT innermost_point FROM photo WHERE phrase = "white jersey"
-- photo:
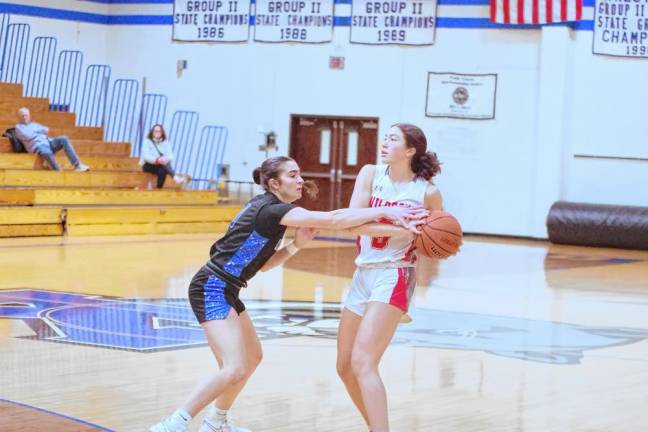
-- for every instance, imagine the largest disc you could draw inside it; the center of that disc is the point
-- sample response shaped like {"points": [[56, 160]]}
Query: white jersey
{"points": [[387, 251]]}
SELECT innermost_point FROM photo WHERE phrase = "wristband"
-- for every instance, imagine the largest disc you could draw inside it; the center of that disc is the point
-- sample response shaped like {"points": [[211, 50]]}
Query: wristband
{"points": [[291, 248]]}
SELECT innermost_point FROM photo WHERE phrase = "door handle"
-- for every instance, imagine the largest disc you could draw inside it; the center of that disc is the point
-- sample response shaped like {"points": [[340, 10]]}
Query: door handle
{"points": [[332, 175], [339, 175]]}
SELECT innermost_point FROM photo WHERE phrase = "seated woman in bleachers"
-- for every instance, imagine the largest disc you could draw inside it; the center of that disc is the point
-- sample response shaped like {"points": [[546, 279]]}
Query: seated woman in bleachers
{"points": [[157, 156]]}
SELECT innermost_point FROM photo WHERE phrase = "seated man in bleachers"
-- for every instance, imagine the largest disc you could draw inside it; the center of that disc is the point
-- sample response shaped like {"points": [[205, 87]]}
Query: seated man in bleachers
{"points": [[34, 137]]}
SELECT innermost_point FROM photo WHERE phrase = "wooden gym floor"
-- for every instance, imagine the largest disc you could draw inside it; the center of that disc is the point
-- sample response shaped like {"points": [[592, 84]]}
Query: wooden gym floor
{"points": [[510, 335]]}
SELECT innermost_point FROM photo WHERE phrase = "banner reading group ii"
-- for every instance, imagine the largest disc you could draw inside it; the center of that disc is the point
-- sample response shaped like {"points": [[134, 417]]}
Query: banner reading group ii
{"points": [[211, 20], [307, 21], [402, 22], [621, 28]]}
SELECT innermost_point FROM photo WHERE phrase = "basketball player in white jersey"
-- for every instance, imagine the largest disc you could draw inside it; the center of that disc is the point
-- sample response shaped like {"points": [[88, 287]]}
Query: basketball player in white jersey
{"points": [[384, 281]]}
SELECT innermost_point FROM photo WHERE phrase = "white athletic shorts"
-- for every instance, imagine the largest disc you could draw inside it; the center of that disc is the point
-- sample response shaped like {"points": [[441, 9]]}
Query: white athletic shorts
{"points": [[394, 286]]}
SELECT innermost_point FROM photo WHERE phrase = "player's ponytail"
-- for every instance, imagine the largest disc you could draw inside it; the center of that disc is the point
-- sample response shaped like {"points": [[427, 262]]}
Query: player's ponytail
{"points": [[311, 189], [256, 175], [425, 164]]}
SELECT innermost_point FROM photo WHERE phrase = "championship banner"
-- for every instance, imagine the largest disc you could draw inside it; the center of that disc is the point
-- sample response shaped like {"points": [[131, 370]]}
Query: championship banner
{"points": [[306, 21], [211, 20], [621, 28], [463, 96], [404, 22]]}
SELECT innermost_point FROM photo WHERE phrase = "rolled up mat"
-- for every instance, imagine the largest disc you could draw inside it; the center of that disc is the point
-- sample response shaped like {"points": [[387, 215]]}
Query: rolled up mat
{"points": [[598, 225]]}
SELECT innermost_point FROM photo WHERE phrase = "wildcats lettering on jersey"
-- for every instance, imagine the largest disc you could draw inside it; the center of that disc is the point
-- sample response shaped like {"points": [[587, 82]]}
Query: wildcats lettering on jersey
{"points": [[374, 201]]}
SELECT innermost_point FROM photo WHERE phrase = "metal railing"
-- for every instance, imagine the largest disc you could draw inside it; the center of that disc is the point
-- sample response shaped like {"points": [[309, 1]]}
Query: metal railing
{"points": [[66, 81], [182, 135], [208, 161], [4, 22], [39, 76], [120, 118], [90, 110], [245, 191], [14, 53]]}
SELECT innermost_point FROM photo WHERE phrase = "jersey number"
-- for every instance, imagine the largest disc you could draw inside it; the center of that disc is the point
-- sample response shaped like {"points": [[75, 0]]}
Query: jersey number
{"points": [[379, 242]]}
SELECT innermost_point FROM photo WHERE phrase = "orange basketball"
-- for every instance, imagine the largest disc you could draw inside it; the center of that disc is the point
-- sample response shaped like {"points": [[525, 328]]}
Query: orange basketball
{"points": [[440, 237]]}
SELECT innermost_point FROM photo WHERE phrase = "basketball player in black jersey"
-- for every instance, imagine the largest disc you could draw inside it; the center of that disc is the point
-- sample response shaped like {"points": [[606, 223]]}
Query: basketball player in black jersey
{"points": [[250, 245]]}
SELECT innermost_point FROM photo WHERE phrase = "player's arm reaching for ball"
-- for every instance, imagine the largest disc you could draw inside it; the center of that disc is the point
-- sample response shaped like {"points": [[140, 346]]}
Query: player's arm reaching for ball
{"points": [[308, 222], [351, 217]]}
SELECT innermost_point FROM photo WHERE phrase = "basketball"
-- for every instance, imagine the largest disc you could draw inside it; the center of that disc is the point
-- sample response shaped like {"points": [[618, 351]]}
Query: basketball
{"points": [[441, 236]]}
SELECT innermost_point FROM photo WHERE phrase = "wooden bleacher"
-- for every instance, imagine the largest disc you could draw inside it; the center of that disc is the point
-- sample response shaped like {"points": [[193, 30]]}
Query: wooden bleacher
{"points": [[30, 221], [85, 147], [23, 161], [114, 198]]}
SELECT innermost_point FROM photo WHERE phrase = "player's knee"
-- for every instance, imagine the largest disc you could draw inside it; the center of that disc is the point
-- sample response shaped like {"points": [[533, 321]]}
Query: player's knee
{"points": [[236, 374], [255, 360], [362, 363], [343, 367]]}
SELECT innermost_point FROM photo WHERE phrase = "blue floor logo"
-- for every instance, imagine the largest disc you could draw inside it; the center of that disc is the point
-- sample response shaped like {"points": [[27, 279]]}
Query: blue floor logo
{"points": [[159, 324]]}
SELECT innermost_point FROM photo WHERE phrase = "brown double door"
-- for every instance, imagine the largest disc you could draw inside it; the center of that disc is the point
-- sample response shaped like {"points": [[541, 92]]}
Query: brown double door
{"points": [[330, 151]]}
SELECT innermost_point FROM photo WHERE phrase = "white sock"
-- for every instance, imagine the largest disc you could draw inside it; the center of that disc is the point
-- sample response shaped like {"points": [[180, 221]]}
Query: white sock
{"points": [[217, 414], [182, 416]]}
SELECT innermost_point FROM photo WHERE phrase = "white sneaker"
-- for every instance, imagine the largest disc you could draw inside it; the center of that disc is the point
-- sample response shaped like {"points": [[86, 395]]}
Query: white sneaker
{"points": [[211, 425], [169, 424], [179, 179], [82, 167]]}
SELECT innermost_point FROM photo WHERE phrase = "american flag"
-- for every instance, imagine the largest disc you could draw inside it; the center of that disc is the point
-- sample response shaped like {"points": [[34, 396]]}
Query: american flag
{"points": [[535, 11]]}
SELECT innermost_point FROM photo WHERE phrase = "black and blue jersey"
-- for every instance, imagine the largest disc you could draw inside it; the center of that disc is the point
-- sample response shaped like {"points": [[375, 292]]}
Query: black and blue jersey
{"points": [[250, 241]]}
